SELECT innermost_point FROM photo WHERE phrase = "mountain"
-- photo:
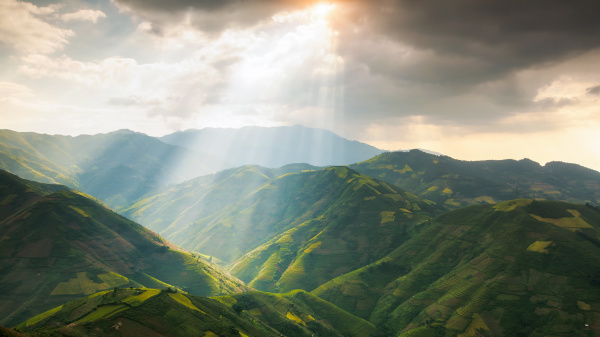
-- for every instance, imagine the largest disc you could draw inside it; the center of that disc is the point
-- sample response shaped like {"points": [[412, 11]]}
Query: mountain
{"points": [[350, 221], [117, 167], [456, 183], [296, 230], [516, 268], [57, 245], [274, 146], [178, 206], [151, 312]]}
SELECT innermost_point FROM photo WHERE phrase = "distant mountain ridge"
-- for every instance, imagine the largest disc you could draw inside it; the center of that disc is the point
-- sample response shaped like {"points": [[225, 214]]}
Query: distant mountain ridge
{"points": [[274, 146], [122, 166], [457, 183], [117, 167]]}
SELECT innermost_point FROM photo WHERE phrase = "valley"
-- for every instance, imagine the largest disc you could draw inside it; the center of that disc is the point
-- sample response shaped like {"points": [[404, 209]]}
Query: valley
{"points": [[401, 243]]}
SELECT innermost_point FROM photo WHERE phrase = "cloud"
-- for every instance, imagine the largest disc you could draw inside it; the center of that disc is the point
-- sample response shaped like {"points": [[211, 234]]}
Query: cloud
{"points": [[10, 89], [212, 16], [455, 60], [23, 28], [83, 15], [107, 72], [595, 90]]}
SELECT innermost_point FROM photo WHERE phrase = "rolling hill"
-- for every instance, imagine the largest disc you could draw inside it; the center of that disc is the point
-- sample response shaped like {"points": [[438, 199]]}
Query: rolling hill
{"points": [[297, 230], [152, 312], [456, 183], [517, 268], [117, 167], [57, 245], [180, 205]]}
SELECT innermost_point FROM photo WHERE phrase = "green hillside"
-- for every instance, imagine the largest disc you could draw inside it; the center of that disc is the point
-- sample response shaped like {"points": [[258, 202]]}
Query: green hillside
{"points": [[455, 183], [152, 312], [354, 221], [117, 167], [180, 205], [57, 245], [517, 268]]}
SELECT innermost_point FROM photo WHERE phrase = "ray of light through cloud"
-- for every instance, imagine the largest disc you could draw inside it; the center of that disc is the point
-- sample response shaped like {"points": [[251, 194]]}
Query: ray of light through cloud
{"points": [[395, 74]]}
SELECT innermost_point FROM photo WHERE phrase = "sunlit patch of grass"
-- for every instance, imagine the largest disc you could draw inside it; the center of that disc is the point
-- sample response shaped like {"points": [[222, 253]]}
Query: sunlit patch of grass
{"points": [[183, 300], [342, 172], [137, 300], [79, 210], [447, 190], [387, 216], [294, 318], [452, 202], [113, 279], [584, 306], [539, 246], [312, 247], [287, 238], [405, 169], [35, 320], [569, 223], [104, 311]]}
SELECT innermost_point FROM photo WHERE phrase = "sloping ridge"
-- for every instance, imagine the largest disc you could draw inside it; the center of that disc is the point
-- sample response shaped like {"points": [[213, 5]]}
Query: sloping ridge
{"points": [[457, 183], [517, 268], [56, 245], [151, 312]]}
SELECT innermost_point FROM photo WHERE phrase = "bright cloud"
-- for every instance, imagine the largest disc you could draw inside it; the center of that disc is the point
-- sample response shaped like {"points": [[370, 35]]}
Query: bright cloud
{"points": [[83, 15], [23, 28], [398, 74]]}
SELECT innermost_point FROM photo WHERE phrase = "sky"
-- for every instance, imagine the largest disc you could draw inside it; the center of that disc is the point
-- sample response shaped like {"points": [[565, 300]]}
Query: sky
{"points": [[472, 79]]}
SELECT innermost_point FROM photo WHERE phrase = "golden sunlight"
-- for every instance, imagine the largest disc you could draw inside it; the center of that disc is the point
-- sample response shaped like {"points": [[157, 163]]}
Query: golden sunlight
{"points": [[320, 12]]}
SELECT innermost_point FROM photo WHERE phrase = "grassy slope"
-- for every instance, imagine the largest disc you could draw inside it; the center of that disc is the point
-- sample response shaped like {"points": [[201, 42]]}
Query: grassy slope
{"points": [[283, 204], [499, 269], [56, 245], [456, 183], [118, 167], [134, 312], [352, 221]]}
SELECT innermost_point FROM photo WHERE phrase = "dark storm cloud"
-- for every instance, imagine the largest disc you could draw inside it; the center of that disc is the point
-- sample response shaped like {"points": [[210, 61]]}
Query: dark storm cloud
{"points": [[505, 34], [445, 59]]}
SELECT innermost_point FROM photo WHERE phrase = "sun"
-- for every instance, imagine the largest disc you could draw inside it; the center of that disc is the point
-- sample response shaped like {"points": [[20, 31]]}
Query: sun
{"points": [[320, 11]]}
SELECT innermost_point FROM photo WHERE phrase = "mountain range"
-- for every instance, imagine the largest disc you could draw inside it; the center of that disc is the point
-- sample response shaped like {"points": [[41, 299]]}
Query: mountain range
{"points": [[122, 166], [395, 244]]}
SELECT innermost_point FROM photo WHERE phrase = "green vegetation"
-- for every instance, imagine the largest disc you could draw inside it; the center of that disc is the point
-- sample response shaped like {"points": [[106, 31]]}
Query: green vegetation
{"points": [[175, 314], [57, 245], [482, 271], [455, 183]]}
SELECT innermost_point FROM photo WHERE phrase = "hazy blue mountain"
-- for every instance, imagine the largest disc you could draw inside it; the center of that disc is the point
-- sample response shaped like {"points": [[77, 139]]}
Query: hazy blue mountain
{"points": [[274, 146], [175, 207], [117, 167]]}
